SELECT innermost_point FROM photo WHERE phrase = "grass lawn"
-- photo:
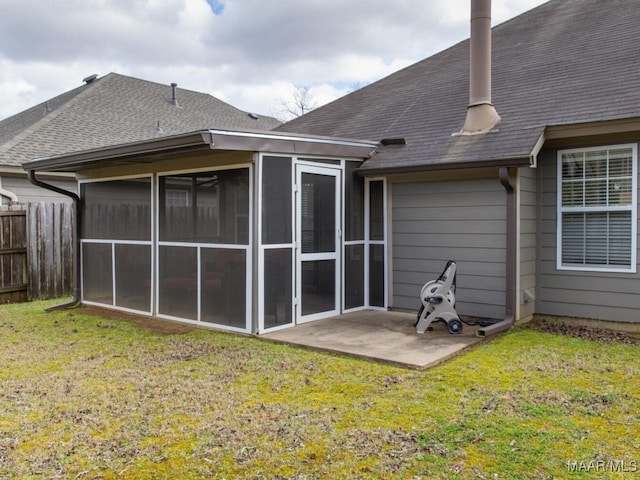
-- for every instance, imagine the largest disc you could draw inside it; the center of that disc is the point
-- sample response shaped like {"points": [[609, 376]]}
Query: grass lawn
{"points": [[84, 397]]}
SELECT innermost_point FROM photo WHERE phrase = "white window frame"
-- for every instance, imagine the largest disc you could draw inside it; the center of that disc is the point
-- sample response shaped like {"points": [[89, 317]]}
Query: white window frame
{"points": [[180, 197], [630, 208]]}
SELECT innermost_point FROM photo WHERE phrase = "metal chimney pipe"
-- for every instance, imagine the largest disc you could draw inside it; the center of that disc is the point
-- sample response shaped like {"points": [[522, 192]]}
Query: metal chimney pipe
{"points": [[480, 53], [481, 116]]}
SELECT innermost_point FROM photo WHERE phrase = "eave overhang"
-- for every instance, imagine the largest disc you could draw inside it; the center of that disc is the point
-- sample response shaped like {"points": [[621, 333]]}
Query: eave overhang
{"points": [[203, 142], [586, 129], [515, 161]]}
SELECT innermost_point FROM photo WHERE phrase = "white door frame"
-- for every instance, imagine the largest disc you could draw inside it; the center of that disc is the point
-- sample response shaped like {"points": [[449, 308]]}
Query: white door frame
{"points": [[335, 255]]}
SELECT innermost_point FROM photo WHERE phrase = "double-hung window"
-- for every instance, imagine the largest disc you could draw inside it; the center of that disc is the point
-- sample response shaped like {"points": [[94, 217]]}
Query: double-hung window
{"points": [[597, 208]]}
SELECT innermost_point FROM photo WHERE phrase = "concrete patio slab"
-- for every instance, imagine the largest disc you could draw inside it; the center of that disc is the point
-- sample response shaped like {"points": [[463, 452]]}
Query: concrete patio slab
{"points": [[388, 337]]}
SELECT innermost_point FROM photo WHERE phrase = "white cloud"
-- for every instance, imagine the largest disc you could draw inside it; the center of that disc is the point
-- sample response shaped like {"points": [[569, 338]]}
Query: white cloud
{"points": [[249, 52]]}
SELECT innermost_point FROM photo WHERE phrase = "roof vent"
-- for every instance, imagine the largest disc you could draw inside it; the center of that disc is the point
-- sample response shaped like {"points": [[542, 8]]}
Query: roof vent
{"points": [[253, 116], [393, 141], [174, 94], [90, 78], [47, 108]]}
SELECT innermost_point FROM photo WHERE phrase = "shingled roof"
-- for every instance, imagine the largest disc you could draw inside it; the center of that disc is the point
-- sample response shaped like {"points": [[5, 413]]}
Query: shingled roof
{"points": [[115, 109], [564, 62]]}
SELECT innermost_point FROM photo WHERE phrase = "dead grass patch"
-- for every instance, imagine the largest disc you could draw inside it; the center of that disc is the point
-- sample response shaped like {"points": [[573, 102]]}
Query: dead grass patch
{"points": [[87, 397]]}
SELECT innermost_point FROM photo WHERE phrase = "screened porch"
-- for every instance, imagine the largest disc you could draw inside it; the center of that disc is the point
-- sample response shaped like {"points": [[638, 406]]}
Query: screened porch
{"points": [[252, 246]]}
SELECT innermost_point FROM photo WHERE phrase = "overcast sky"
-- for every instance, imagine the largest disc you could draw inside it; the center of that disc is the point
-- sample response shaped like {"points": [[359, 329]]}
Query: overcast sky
{"points": [[250, 53]]}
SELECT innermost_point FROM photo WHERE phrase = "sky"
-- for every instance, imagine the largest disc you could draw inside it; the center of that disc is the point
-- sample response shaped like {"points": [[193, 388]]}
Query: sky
{"points": [[252, 54]]}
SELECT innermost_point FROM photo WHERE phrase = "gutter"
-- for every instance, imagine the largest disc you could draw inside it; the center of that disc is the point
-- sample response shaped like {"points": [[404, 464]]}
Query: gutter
{"points": [[510, 310], [524, 160], [31, 175], [202, 141], [120, 153]]}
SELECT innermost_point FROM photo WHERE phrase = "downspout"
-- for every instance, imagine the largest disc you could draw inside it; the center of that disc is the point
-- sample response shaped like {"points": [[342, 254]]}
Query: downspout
{"points": [[31, 175], [510, 307]]}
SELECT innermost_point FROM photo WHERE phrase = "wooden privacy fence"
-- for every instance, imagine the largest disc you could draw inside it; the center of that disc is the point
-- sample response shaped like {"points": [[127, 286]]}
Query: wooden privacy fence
{"points": [[36, 251], [13, 254]]}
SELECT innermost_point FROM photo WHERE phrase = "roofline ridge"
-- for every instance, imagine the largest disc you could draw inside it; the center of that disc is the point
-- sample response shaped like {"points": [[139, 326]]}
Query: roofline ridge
{"points": [[130, 77], [46, 119]]}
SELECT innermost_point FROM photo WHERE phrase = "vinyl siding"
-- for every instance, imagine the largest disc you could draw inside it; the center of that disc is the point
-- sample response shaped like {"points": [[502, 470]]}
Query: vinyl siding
{"points": [[581, 294], [527, 267], [28, 192], [463, 220]]}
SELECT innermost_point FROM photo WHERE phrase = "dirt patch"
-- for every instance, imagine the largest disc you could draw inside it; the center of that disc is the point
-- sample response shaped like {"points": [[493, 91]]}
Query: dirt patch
{"points": [[146, 323], [587, 333]]}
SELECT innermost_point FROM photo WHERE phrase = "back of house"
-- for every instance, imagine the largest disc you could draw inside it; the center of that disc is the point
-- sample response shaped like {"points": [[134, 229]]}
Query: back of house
{"points": [[526, 176]]}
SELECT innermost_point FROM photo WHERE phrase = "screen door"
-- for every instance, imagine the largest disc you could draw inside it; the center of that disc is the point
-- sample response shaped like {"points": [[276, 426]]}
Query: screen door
{"points": [[318, 243]]}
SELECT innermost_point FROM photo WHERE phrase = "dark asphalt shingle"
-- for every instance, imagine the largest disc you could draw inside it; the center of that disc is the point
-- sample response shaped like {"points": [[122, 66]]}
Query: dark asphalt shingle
{"points": [[564, 62], [115, 109]]}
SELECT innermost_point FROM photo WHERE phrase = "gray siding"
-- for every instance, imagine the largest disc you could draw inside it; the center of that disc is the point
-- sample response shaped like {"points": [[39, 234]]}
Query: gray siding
{"points": [[463, 220], [27, 192], [598, 295], [527, 199]]}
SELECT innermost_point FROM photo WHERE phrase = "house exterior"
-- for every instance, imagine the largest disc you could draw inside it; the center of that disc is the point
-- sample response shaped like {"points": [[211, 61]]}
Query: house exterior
{"points": [[104, 111], [566, 84], [539, 209]]}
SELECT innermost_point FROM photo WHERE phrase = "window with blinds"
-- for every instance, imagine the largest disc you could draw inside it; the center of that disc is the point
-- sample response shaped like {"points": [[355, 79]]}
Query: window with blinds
{"points": [[597, 208]]}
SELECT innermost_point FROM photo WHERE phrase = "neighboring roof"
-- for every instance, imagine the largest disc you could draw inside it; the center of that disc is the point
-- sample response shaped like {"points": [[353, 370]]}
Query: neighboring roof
{"points": [[115, 109], [202, 142], [564, 62]]}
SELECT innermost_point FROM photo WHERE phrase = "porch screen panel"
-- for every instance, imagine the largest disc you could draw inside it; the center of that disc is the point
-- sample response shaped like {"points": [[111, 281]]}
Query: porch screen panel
{"points": [[354, 203], [223, 286], [205, 207], [318, 292], [204, 230], [117, 214], [376, 210], [117, 210], [278, 287], [354, 276], [318, 213], [376, 247], [133, 276], [277, 241], [97, 273], [376, 275], [276, 200], [354, 235], [178, 282]]}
